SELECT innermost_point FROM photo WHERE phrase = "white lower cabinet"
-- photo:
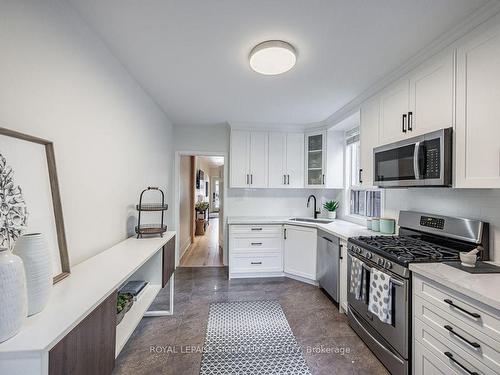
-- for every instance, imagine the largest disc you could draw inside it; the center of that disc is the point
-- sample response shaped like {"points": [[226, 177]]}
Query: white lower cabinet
{"points": [[300, 248], [452, 334], [255, 250]]}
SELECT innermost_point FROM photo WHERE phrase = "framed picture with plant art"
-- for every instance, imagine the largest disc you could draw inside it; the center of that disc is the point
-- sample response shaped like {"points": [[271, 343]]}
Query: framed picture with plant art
{"points": [[30, 201]]}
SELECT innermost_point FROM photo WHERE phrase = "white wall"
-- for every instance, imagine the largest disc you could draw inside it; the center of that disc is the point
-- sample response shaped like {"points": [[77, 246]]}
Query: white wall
{"points": [[482, 204], [58, 81]]}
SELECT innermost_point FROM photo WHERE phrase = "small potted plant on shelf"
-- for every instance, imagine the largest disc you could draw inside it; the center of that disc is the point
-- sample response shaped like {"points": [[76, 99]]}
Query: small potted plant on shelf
{"points": [[331, 207]]}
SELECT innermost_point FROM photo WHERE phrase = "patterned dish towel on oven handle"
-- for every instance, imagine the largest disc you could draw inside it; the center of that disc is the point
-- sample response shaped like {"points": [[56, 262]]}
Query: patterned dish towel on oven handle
{"points": [[380, 298], [357, 278]]}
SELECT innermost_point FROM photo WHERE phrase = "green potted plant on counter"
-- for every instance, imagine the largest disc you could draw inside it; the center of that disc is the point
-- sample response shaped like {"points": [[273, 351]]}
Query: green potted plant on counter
{"points": [[331, 208]]}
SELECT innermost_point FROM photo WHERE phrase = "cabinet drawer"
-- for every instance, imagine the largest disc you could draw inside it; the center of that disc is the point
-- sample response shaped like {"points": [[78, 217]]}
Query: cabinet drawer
{"points": [[256, 263], [255, 229], [472, 341], [480, 317], [448, 352], [256, 243], [427, 363]]}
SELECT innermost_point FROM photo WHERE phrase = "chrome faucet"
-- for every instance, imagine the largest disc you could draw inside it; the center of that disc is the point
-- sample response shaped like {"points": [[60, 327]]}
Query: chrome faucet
{"points": [[315, 211]]}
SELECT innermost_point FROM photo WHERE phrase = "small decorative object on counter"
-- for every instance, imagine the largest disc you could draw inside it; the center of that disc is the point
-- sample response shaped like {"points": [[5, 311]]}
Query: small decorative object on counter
{"points": [[369, 224], [387, 226], [376, 224], [142, 229], [123, 304], [13, 300], [33, 250], [331, 208]]}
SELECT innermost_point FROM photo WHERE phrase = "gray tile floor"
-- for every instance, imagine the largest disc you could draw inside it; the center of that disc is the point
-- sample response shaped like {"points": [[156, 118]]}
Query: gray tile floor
{"points": [[171, 345]]}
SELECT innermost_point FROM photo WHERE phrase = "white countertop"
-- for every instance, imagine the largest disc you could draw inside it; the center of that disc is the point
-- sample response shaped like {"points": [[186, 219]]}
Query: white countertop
{"points": [[340, 228], [73, 298], [481, 287]]}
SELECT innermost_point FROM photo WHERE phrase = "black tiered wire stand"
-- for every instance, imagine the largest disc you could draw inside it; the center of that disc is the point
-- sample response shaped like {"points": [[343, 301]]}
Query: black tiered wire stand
{"points": [[151, 229]]}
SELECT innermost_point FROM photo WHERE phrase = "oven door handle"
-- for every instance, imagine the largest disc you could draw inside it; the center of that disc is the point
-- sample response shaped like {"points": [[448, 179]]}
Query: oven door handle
{"points": [[393, 280], [416, 166]]}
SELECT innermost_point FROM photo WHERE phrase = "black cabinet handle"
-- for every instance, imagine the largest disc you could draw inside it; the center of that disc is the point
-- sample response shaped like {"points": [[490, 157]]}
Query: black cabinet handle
{"points": [[359, 176], [475, 345], [256, 228], [284, 233], [256, 243], [255, 262], [450, 356], [248, 181], [284, 179], [323, 177], [340, 251], [288, 179], [410, 121], [404, 123], [251, 179], [474, 315]]}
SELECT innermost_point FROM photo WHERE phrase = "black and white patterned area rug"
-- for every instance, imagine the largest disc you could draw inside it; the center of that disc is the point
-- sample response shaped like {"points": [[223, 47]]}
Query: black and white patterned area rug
{"points": [[251, 338]]}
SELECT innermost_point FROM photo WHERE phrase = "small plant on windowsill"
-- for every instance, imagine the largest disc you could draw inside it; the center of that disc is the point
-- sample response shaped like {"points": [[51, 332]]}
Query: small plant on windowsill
{"points": [[331, 207]]}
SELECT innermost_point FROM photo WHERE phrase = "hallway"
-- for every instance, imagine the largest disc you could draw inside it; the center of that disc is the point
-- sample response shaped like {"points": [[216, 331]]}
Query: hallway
{"points": [[205, 250]]}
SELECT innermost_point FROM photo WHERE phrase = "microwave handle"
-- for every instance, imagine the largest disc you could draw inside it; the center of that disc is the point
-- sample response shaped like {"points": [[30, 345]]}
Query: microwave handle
{"points": [[416, 166]]}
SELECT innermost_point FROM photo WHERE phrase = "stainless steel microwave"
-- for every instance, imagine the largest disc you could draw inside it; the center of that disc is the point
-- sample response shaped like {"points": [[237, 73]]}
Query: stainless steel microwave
{"points": [[422, 161]]}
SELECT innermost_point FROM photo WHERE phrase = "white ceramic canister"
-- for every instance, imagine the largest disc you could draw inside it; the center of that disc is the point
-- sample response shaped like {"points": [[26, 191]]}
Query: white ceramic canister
{"points": [[13, 300], [33, 250]]}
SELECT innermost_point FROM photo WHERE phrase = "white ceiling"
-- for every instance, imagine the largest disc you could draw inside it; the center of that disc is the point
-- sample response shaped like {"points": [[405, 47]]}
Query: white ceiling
{"points": [[192, 55]]}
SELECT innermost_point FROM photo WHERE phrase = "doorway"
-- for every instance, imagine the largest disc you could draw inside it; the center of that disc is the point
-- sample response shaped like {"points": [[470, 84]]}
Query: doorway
{"points": [[201, 205]]}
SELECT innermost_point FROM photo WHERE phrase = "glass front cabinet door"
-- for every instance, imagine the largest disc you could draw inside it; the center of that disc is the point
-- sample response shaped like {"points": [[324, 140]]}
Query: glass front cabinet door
{"points": [[315, 159]]}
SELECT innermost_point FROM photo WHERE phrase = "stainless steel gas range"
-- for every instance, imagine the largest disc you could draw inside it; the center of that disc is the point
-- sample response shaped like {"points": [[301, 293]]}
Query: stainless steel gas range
{"points": [[422, 238]]}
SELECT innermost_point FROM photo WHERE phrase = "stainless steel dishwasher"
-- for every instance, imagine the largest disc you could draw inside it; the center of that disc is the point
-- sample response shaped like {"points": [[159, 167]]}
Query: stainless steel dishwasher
{"points": [[328, 267]]}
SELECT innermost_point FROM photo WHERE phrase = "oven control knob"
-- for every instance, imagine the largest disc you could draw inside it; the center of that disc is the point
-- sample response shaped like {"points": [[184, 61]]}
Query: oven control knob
{"points": [[388, 265], [380, 262], [368, 255], [358, 250]]}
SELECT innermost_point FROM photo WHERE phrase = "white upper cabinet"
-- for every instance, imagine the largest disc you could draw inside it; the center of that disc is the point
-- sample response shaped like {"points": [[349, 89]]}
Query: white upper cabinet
{"points": [[249, 159], [335, 141], [259, 158], [286, 160], [369, 125], [431, 95], [478, 123], [315, 159], [277, 160], [240, 159], [295, 160], [394, 103], [420, 103]]}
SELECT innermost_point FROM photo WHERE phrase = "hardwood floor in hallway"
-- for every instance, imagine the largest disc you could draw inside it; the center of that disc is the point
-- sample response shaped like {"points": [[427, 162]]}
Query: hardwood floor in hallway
{"points": [[205, 251]]}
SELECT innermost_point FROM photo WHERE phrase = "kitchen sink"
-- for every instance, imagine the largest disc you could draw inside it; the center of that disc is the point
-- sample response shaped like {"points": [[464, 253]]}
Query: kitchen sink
{"points": [[311, 220]]}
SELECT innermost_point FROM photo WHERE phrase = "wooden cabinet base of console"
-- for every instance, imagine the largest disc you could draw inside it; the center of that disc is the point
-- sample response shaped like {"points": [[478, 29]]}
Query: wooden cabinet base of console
{"points": [[168, 261], [90, 347]]}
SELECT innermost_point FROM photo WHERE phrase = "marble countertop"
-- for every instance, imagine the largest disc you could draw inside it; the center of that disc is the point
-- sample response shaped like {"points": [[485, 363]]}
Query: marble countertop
{"points": [[481, 287], [340, 228]]}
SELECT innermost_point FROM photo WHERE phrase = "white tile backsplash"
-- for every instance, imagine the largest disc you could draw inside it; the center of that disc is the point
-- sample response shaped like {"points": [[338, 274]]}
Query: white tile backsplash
{"points": [[482, 204]]}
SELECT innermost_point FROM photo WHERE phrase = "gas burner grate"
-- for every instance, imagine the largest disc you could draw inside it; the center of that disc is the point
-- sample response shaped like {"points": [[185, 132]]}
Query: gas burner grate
{"points": [[408, 249]]}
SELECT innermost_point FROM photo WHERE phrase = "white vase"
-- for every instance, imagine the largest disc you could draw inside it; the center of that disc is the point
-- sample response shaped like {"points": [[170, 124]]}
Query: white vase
{"points": [[13, 301], [332, 215], [33, 250]]}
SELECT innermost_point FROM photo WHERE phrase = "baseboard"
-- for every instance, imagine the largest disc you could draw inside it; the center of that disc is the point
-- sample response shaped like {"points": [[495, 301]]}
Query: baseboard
{"points": [[183, 250], [302, 279], [254, 275]]}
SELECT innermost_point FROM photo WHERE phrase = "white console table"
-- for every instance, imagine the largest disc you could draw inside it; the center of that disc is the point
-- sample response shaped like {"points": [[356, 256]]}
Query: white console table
{"points": [[82, 308]]}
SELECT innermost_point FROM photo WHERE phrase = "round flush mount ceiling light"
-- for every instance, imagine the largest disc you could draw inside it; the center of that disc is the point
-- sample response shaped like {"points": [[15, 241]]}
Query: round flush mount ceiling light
{"points": [[273, 57]]}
